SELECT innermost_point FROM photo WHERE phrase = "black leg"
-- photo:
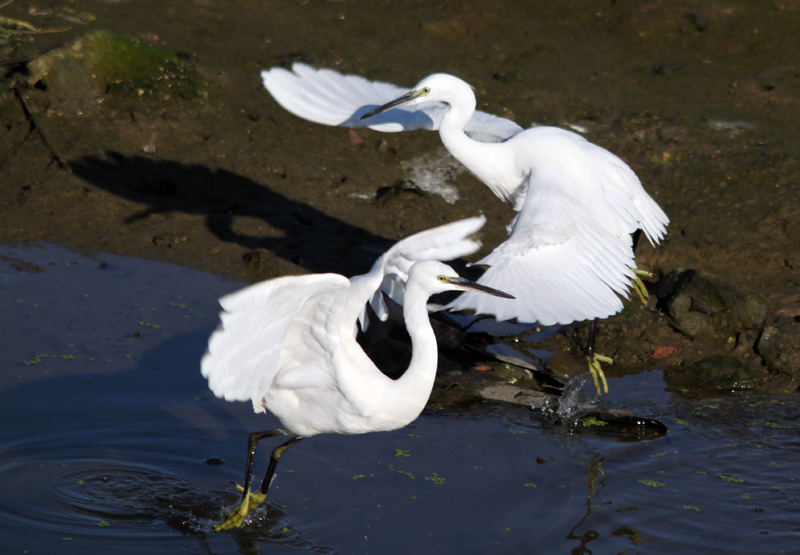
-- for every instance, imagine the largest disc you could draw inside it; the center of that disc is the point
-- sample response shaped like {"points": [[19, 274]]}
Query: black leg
{"points": [[252, 445], [252, 500], [277, 453], [592, 339]]}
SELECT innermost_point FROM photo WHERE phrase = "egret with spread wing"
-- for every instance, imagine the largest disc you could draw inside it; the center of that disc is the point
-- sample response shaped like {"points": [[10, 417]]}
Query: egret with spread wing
{"points": [[289, 346], [331, 98], [570, 254]]}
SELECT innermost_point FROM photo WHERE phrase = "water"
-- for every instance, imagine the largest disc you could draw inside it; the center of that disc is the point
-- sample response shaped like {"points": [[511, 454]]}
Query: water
{"points": [[111, 442]]}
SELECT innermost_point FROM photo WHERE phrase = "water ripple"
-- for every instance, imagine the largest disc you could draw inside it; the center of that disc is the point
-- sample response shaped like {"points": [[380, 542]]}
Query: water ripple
{"points": [[105, 502]]}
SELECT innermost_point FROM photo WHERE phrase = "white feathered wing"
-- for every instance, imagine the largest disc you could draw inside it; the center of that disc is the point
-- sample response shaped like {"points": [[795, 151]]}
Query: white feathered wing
{"points": [[249, 347], [569, 256], [331, 98], [290, 330]]}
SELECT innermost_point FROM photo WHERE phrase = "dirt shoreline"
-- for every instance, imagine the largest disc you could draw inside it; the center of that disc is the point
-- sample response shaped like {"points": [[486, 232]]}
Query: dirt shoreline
{"points": [[702, 101]]}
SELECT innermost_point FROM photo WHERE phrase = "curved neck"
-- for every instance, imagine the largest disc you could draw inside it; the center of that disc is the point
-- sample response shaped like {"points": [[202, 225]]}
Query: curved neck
{"points": [[492, 163], [462, 108], [384, 403], [451, 131], [421, 371]]}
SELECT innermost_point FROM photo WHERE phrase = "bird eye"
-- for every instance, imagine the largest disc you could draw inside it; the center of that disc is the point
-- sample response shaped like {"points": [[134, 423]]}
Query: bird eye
{"points": [[426, 90], [442, 279]]}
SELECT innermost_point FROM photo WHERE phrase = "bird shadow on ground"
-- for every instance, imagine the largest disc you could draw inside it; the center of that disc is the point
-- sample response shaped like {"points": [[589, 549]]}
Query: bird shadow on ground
{"points": [[294, 231], [297, 232]]}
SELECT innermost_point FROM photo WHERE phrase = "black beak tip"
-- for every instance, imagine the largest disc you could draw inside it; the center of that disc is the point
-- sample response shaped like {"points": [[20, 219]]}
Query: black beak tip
{"points": [[373, 112]]}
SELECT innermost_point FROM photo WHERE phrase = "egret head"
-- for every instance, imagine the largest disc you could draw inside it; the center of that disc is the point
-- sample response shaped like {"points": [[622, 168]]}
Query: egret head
{"points": [[439, 87], [434, 277]]}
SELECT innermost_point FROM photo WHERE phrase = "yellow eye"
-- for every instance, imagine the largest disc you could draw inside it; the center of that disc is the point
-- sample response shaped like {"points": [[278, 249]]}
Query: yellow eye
{"points": [[443, 279], [426, 90]]}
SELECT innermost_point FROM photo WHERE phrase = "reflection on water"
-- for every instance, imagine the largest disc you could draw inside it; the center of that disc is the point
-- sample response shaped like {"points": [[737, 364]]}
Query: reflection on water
{"points": [[111, 439], [594, 471]]}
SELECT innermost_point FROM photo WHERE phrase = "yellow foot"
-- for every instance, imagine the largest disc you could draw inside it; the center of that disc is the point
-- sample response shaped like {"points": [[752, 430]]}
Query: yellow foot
{"points": [[638, 285], [235, 519], [597, 371]]}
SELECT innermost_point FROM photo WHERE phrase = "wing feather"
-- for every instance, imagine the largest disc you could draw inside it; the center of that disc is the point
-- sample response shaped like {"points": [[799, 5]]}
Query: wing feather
{"points": [[559, 263], [390, 272], [260, 332], [331, 98], [594, 178]]}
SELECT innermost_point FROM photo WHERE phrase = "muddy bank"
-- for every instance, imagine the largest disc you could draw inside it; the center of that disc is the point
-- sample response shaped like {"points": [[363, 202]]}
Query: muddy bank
{"points": [[191, 161]]}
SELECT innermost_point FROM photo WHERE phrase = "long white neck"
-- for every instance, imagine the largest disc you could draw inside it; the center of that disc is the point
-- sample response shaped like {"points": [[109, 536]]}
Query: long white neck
{"points": [[380, 402], [421, 371], [492, 163]]}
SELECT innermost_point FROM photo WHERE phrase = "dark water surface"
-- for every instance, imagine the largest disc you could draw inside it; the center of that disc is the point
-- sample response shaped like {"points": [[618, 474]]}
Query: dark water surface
{"points": [[109, 437]]}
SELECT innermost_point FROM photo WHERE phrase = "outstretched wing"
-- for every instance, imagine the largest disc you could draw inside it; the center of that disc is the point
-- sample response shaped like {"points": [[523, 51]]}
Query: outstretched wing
{"points": [[559, 263], [569, 256], [390, 272], [331, 98], [597, 181], [265, 328], [623, 190]]}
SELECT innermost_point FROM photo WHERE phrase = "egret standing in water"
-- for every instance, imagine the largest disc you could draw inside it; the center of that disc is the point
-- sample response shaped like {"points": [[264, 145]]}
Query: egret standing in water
{"points": [[570, 253], [289, 346]]}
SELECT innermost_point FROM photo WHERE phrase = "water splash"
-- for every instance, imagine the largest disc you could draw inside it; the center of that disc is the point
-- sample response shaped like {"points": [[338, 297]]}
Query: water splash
{"points": [[572, 403]]}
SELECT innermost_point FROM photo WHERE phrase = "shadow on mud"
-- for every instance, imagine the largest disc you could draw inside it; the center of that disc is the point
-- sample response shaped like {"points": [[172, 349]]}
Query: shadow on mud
{"points": [[303, 235]]}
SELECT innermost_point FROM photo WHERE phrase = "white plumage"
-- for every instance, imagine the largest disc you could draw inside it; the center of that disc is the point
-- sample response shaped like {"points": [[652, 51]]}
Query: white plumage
{"points": [[330, 98], [569, 256], [289, 346]]}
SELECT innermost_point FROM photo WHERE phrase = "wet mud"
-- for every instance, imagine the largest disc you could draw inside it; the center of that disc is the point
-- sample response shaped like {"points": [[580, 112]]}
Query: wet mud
{"points": [[176, 152]]}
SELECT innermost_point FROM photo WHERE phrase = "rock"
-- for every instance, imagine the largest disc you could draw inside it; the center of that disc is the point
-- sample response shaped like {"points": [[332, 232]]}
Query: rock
{"points": [[699, 302], [565, 366], [669, 287], [710, 294], [681, 305], [617, 422], [770, 348], [749, 312], [691, 324], [746, 342], [723, 372], [780, 352], [512, 394], [511, 374], [106, 63]]}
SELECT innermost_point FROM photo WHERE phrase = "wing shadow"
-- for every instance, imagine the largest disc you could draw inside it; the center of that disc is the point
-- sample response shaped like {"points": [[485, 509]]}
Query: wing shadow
{"points": [[308, 237]]}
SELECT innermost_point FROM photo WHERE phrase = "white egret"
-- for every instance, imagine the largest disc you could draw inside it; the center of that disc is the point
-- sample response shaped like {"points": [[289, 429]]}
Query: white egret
{"points": [[570, 254], [289, 346], [331, 98]]}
